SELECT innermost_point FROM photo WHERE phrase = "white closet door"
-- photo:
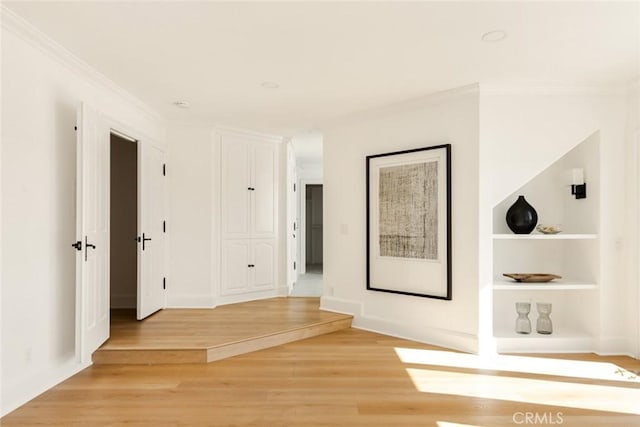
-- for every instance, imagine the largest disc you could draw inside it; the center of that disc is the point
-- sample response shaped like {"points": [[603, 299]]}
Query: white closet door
{"points": [[92, 207], [264, 256], [236, 184], [263, 217], [150, 230], [236, 267]]}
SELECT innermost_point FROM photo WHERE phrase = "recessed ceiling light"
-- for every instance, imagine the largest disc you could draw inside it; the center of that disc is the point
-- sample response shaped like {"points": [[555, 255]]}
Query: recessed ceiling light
{"points": [[270, 85], [494, 36], [182, 104]]}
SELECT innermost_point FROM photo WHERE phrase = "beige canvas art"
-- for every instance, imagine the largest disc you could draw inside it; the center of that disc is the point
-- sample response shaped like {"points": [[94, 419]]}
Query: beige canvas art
{"points": [[408, 211]]}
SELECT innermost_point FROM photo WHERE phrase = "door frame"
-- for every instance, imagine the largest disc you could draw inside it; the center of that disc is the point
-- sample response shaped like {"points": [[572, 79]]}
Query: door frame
{"points": [[121, 129], [126, 136], [303, 221], [292, 218], [636, 245]]}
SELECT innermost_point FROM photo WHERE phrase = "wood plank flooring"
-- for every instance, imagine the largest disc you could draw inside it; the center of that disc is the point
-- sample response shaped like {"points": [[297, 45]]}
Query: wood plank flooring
{"points": [[346, 378], [201, 336]]}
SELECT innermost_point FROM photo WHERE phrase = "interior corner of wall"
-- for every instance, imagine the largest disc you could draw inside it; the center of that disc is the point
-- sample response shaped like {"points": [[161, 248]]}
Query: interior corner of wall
{"points": [[339, 305]]}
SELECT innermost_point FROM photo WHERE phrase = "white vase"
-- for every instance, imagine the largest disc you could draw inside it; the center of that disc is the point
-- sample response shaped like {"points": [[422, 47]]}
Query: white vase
{"points": [[523, 324], [544, 325]]}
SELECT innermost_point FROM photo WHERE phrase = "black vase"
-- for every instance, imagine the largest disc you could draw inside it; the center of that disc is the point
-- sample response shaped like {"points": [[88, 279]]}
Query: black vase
{"points": [[522, 217]]}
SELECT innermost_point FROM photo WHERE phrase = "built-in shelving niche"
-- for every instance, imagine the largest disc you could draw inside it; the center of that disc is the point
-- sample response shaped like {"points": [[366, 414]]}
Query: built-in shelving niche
{"points": [[572, 254]]}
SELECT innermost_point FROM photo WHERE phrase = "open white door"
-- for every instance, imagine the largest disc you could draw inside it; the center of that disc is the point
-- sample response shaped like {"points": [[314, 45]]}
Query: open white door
{"points": [[151, 229], [92, 232]]}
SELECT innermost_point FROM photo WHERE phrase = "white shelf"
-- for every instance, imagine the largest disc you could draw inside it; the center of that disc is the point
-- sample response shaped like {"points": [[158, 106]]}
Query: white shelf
{"points": [[538, 236], [556, 285], [560, 341]]}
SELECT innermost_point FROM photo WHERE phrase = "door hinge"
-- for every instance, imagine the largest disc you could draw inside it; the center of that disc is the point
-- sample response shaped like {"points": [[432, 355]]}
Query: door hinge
{"points": [[294, 226], [75, 128], [164, 226], [164, 169], [164, 283], [294, 187], [294, 265]]}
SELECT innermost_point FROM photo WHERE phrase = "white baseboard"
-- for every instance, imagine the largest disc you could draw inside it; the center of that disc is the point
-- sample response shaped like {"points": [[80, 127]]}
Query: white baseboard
{"points": [[16, 395], [248, 296], [435, 336], [342, 306], [191, 301], [614, 346]]}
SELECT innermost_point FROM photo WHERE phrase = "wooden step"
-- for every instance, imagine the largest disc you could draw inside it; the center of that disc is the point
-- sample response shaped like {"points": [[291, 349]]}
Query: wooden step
{"points": [[202, 336]]}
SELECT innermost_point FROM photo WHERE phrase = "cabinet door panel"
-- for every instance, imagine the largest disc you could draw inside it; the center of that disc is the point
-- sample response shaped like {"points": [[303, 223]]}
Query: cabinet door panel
{"points": [[264, 253], [236, 196], [264, 197], [236, 277]]}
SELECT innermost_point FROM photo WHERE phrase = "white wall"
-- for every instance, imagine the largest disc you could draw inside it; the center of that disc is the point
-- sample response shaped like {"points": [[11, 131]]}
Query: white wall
{"points": [[42, 87], [191, 276], [522, 133], [632, 219], [307, 169], [193, 171], [450, 117]]}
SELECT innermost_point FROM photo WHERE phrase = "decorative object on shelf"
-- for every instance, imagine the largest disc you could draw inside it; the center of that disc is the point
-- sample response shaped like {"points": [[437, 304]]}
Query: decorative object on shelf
{"points": [[409, 222], [532, 277], [549, 229], [543, 324], [523, 324], [578, 186], [521, 217]]}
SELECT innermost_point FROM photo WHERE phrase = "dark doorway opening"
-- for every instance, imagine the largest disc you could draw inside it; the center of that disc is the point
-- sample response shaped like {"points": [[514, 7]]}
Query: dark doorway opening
{"points": [[124, 225], [313, 229]]}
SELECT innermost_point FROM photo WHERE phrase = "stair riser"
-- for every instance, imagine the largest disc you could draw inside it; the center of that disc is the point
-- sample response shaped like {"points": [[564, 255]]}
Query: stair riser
{"points": [[224, 351]]}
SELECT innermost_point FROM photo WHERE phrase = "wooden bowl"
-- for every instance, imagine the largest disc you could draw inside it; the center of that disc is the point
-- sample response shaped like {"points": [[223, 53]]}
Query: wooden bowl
{"points": [[532, 277]]}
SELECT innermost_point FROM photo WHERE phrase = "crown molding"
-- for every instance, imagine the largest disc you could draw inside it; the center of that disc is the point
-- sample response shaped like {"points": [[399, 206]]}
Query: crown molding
{"points": [[219, 129], [228, 130], [529, 88], [28, 33], [399, 107]]}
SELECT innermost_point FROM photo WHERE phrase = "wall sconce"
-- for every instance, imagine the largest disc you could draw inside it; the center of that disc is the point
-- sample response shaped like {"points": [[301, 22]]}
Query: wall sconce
{"points": [[578, 186]]}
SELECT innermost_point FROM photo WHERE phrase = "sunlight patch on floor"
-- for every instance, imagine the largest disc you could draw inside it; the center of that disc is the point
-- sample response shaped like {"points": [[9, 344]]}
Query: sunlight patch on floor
{"points": [[530, 365], [582, 396]]}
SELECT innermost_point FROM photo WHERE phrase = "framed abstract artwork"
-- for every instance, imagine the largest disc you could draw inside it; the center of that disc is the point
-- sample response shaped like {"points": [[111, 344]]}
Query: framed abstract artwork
{"points": [[409, 222]]}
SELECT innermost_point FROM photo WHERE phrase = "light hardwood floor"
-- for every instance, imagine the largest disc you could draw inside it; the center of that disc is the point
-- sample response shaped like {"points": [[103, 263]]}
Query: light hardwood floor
{"points": [[346, 378]]}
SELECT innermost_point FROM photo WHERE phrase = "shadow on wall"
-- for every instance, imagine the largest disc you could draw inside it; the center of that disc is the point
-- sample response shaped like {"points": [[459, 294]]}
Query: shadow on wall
{"points": [[63, 271]]}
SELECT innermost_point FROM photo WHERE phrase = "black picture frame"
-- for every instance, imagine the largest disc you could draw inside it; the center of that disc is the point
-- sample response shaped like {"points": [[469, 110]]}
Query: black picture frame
{"points": [[405, 246]]}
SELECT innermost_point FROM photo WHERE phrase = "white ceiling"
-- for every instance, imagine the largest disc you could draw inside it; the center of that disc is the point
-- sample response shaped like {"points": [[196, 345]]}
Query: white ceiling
{"points": [[332, 59]]}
